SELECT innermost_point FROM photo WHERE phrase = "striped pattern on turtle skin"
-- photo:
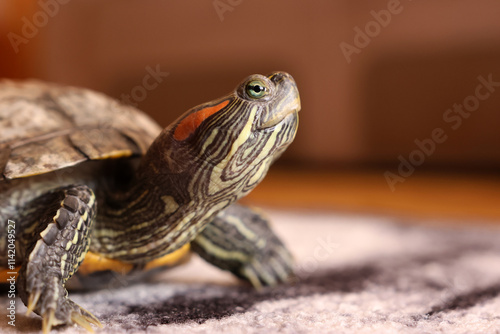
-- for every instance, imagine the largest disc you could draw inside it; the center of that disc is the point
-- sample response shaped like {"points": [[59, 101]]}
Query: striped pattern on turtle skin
{"points": [[241, 241], [152, 201], [57, 245], [195, 178]]}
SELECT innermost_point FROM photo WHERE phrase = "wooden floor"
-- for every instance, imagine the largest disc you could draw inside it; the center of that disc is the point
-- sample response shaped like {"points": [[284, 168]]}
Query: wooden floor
{"points": [[448, 197]]}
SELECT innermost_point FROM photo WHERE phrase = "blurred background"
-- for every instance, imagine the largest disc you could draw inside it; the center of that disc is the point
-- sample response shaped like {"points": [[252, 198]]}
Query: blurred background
{"points": [[400, 99]]}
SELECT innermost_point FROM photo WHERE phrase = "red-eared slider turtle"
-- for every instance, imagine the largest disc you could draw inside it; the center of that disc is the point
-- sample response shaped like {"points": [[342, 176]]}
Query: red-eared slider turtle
{"points": [[93, 184]]}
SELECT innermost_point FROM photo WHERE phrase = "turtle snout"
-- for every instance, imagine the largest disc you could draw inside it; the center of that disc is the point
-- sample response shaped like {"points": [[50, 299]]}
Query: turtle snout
{"points": [[280, 76], [288, 88]]}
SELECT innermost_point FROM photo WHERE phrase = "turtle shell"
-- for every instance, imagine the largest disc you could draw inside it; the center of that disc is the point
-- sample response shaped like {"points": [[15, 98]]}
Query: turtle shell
{"points": [[45, 127]]}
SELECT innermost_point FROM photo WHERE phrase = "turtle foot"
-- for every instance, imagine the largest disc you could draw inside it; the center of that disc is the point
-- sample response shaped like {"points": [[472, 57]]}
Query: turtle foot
{"points": [[272, 269], [56, 309], [58, 246], [240, 240]]}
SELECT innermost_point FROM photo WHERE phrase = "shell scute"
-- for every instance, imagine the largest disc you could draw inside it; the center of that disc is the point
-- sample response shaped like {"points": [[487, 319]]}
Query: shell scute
{"points": [[45, 127]]}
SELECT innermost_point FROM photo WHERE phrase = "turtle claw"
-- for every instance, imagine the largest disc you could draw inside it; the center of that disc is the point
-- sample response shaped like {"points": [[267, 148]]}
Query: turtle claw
{"points": [[84, 319], [33, 299], [70, 313], [48, 321], [75, 314], [59, 310]]}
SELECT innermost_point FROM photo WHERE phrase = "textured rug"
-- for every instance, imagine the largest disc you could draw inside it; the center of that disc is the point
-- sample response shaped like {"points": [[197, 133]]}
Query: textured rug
{"points": [[356, 274]]}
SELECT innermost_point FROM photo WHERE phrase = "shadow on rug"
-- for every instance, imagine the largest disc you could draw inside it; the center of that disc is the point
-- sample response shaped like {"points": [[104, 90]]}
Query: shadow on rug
{"points": [[355, 275]]}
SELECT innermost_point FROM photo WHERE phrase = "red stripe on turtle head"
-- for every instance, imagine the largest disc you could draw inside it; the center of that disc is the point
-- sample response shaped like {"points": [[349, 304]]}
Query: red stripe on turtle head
{"points": [[189, 124]]}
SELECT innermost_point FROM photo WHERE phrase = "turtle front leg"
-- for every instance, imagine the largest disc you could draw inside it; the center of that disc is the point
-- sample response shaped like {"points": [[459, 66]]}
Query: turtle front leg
{"points": [[240, 240], [55, 248]]}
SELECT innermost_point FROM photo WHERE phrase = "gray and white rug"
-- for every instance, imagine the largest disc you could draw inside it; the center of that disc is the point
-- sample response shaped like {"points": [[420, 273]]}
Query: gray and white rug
{"points": [[357, 274]]}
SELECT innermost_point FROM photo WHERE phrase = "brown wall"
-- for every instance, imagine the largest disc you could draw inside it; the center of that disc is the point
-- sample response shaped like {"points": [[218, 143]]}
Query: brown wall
{"points": [[368, 110]]}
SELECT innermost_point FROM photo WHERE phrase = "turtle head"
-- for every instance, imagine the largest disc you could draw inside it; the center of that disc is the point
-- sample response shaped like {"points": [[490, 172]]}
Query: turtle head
{"points": [[235, 138]]}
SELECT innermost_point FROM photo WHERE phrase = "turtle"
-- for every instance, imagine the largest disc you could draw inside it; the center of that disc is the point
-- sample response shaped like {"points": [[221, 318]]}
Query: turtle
{"points": [[89, 185]]}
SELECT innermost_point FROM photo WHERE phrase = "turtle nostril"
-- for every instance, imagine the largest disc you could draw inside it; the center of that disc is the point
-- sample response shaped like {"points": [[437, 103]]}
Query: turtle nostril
{"points": [[280, 76], [276, 77]]}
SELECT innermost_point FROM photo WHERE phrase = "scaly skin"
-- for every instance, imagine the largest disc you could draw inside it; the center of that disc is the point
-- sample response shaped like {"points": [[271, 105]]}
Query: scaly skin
{"points": [[183, 182], [197, 167]]}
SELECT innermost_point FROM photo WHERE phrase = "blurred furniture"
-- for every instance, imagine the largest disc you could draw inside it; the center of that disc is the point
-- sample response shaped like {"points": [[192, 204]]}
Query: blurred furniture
{"points": [[367, 109]]}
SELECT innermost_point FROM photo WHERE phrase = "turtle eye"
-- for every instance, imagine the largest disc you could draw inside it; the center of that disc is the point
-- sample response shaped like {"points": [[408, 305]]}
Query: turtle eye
{"points": [[257, 89]]}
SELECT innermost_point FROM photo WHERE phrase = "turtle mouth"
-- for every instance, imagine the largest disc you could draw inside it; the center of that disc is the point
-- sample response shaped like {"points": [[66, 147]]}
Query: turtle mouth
{"points": [[278, 118], [292, 108]]}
